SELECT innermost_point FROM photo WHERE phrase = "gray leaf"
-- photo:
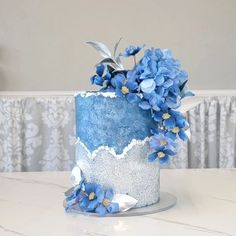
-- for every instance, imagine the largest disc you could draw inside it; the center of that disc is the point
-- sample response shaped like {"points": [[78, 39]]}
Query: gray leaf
{"points": [[118, 62], [76, 175], [102, 48], [125, 201], [107, 60], [116, 46]]}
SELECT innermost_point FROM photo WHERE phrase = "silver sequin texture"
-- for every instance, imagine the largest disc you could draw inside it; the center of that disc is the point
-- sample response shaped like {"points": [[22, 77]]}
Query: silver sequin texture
{"points": [[133, 175]]}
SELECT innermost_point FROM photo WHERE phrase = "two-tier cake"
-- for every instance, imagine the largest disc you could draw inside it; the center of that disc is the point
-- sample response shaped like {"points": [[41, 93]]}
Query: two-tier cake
{"points": [[126, 130]]}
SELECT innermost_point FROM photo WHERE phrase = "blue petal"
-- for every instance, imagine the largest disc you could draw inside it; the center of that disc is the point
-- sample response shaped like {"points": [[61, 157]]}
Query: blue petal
{"points": [[107, 76], [171, 135], [182, 135], [100, 69], [169, 152], [181, 122], [84, 203], [90, 187], [154, 144], [97, 80], [144, 105], [168, 83], [164, 160], [99, 193], [132, 85], [92, 205], [109, 194], [131, 98], [159, 79], [158, 116], [152, 156], [101, 210], [169, 123], [113, 208], [119, 93]]}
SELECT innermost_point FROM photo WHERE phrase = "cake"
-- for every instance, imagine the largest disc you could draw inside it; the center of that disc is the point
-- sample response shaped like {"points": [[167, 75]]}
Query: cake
{"points": [[113, 144], [126, 130]]}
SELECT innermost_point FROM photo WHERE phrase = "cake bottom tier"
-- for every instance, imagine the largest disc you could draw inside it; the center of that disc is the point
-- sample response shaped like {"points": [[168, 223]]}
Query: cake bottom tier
{"points": [[130, 174]]}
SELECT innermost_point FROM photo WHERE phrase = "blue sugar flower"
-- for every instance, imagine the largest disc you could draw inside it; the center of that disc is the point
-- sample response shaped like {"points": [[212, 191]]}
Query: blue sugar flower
{"points": [[161, 153], [100, 69], [178, 130], [94, 194], [74, 195], [106, 205], [102, 77], [148, 86], [98, 80], [167, 116], [161, 140], [97, 200], [131, 51], [152, 100], [125, 87]]}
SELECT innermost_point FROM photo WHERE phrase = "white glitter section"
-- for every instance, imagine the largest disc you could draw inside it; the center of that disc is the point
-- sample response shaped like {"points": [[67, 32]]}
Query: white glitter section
{"points": [[95, 93], [133, 175], [132, 144]]}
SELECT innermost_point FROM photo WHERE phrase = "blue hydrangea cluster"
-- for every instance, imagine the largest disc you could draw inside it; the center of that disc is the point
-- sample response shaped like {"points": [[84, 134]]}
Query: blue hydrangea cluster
{"points": [[158, 83], [90, 197]]}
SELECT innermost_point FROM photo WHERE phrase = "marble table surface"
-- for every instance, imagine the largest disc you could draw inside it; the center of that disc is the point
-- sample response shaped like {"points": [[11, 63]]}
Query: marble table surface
{"points": [[31, 205]]}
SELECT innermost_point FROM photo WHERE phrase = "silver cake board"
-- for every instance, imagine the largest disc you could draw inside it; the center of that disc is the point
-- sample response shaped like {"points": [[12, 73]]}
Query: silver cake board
{"points": [[167, 201]]}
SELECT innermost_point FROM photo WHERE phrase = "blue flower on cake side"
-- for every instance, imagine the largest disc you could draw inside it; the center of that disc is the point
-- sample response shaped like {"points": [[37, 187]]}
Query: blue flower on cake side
{"points": [[106, 205], [161, 140], [91, 197], [97, 200], [93, 194], [162, 153]]}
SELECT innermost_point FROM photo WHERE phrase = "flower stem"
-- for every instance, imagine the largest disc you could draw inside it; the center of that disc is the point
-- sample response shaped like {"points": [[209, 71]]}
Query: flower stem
{"points": [[134, 60]]}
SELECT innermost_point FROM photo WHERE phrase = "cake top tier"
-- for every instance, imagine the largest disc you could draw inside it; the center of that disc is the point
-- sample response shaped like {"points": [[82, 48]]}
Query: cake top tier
{"points": [[110, 121]]}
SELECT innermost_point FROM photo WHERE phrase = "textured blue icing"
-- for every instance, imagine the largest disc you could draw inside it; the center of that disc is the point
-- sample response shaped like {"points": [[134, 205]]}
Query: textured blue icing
{"points": [[112, 122]]}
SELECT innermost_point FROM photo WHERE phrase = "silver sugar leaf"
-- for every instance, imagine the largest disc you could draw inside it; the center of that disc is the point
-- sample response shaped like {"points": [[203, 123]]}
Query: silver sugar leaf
{"points": [[102, 48], [76, 175], [118, 62], [116, 46], [125, 201]]}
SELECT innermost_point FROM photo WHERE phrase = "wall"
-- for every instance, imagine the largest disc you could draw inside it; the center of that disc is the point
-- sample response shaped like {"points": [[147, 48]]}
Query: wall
{"points": [[42, 42]]}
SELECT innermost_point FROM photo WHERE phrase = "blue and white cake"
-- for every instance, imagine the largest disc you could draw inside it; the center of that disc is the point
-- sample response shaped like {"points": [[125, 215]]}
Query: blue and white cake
{"points": [[126, 130], [113, 144]]}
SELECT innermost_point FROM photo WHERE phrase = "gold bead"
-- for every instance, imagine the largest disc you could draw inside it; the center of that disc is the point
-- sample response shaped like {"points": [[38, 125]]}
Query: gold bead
{"points": [[106, 202], [124, 90], [175, 130], [91, 196], [166, 116], [161, 154]]}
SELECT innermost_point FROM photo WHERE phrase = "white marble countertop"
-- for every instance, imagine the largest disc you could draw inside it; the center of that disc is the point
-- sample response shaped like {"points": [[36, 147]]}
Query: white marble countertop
{"points": [[31, 205]]}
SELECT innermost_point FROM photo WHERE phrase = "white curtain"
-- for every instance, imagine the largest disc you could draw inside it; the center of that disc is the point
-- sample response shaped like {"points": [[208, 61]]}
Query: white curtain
{"points": [[38, 134]]}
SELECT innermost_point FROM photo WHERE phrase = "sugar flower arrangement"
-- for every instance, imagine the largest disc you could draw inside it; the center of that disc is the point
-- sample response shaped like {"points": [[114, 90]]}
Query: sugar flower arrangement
{"points": [[156, 82], [93, 198]]}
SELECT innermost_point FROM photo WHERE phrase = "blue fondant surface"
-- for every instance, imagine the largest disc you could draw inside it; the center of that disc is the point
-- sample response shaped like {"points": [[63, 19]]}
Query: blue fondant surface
{"points": [[112, 122]]}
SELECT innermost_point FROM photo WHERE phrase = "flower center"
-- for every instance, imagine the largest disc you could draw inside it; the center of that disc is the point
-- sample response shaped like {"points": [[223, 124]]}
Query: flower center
{"points": [[106, 202], [175, 130], [160, 154], [166, 116], [91, 196], [163, 142], [124, 90]]}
